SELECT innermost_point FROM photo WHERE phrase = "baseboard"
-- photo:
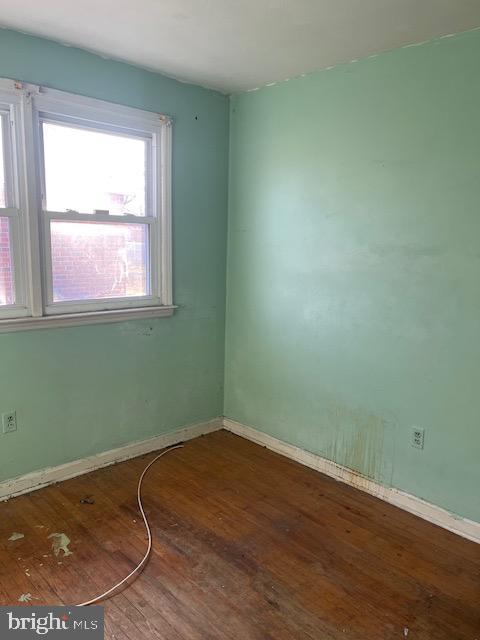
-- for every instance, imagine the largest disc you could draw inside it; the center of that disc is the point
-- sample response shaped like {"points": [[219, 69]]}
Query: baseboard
{"points": [[463, 527], [37, 479], [44, 477]]}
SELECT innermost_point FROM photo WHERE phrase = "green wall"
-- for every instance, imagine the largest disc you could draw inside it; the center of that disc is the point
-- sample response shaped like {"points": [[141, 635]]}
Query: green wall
{"points": [[354, 266], [78, 391], [353, 269]]}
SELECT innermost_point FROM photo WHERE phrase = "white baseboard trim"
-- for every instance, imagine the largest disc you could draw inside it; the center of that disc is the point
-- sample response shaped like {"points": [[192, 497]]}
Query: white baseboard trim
{"points": [[43, 477], [462, 526]]}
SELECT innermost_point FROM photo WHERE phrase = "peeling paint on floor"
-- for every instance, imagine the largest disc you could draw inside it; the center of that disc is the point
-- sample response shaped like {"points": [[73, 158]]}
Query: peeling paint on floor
{"points": [[60, 543], [16, 536], [26, 597]]}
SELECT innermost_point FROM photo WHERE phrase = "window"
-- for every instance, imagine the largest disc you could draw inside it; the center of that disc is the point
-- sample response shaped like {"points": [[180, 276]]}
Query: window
{"points": [[85, 228], [12, 292]]}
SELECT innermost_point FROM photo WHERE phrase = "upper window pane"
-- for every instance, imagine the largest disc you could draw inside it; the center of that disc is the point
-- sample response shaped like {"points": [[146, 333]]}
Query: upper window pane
{"points": [[7, 292], [3, 197], [88, 171]]}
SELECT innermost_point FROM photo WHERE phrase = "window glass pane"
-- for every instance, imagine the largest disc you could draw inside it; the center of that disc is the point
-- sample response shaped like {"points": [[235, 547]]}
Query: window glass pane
{"points": [[7, 292], [89, 170], [2, 165], [93, 260]]}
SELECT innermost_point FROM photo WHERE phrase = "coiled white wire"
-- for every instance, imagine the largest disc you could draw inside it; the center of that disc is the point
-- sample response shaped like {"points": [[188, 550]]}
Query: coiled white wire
{"points": [[139, 566]]}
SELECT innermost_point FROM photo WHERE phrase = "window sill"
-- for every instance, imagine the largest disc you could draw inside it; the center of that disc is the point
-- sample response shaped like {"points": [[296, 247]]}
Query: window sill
{"points": [[86, 317]]}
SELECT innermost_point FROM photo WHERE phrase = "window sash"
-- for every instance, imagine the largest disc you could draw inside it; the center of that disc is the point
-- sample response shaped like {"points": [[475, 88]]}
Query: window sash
{"points": [[15, 209], [96, 304], [151, 210], [28, 107]]}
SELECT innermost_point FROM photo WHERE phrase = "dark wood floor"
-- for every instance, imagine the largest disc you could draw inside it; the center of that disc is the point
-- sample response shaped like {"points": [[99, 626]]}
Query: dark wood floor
{"points": [[247, 545]]}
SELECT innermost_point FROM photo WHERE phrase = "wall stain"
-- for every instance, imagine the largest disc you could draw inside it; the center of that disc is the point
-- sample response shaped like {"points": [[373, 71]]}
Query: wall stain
{"points": [[358, 440]]}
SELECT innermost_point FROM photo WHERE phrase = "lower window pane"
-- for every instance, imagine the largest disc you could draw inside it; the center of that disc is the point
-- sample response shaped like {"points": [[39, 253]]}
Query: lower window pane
{"points": [[7, 290], [98, 260]]}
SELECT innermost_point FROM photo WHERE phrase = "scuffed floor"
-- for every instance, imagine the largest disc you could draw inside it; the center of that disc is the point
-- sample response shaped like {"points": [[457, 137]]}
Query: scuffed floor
{"points": [[247, 545]]}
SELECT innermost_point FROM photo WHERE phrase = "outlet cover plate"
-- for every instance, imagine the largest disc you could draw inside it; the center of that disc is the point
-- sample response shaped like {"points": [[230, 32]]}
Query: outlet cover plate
{"points": [[9, 422], [418, 437]]}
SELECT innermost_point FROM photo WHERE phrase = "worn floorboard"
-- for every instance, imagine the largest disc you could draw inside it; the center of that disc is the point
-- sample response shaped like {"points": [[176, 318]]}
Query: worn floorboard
{"points": [[248, 545]]}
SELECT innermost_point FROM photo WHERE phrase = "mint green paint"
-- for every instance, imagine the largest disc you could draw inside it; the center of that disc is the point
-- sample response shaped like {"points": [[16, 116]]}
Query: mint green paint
{"points": [[82, 390], [353, 274], [354, 266]]}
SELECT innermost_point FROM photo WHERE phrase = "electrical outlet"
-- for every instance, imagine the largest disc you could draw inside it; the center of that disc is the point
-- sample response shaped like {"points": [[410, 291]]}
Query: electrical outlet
{"points": [[9, 422], [418, 437]]}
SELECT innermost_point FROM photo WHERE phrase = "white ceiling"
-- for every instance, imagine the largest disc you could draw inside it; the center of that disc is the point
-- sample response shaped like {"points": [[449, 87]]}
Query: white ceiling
{"points": [[234, 45]]}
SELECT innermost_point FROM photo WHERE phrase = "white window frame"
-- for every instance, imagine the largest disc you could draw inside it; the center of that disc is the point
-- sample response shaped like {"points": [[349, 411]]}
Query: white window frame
{"points": [[27, 106], [11, 110]]}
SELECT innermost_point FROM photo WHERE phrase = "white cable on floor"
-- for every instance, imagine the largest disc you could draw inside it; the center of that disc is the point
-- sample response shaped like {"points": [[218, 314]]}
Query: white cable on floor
{"points": [[147, 527]]}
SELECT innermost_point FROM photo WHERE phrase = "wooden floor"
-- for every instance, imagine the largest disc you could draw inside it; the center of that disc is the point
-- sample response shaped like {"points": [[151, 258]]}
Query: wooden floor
{"points": [[247, 545]]}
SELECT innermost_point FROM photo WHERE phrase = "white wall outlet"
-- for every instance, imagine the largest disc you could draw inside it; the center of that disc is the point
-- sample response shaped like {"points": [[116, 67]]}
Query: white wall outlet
{"points": [[9, 422], [418, 437]]}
